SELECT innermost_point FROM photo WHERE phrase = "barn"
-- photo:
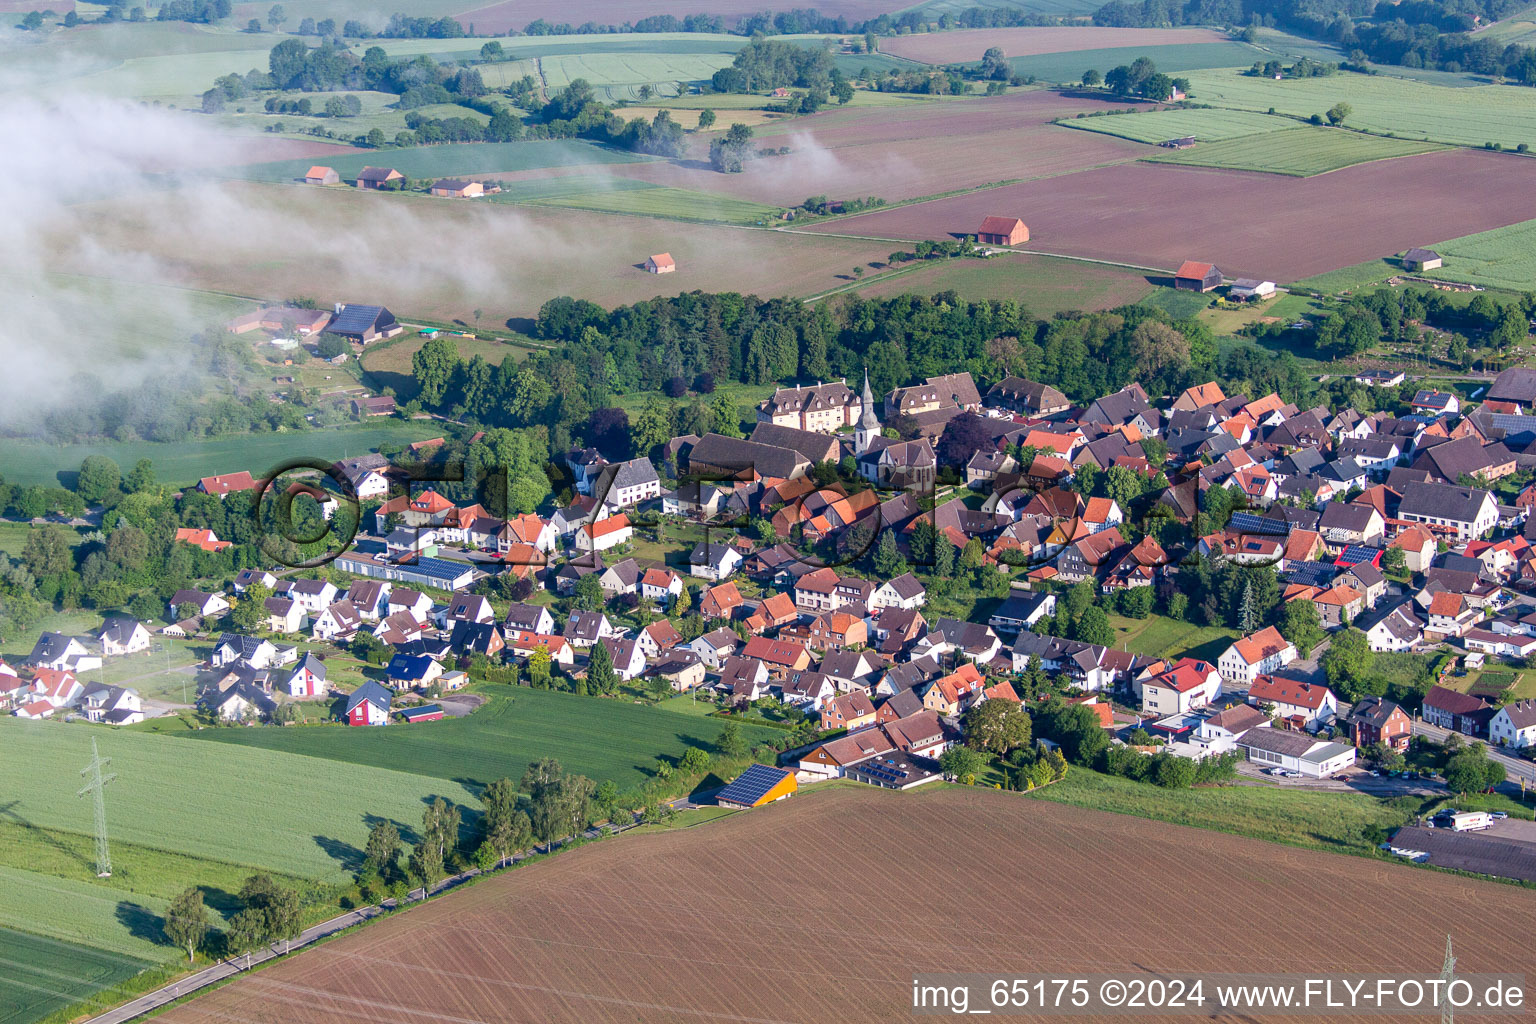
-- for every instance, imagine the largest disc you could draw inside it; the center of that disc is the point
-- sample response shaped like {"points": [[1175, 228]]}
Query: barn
{"points": [[363, 324], [1197, 277], [320, 175], [1002, 231], [661, 263], [377, 177], [457, 188], [1246, 288], [756, 786], [1422, 259]]}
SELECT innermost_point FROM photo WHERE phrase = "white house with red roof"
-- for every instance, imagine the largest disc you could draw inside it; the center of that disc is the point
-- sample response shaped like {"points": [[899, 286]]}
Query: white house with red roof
{"points": [[604, 533], [1303, 705], [1257, 654]]}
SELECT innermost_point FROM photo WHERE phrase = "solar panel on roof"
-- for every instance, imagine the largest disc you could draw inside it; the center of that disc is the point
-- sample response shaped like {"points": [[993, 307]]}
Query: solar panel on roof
{"points": [[1247, 522], [1355, 554], [752, 785]]}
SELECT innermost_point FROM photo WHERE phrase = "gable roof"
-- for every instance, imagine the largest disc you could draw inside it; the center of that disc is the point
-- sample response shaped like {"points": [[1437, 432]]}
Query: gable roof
{"points": [[371, 692], [1280, 690]]}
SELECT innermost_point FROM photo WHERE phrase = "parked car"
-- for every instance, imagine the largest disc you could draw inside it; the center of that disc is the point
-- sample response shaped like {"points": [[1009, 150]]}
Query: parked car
{"points": [[1497, 815]]}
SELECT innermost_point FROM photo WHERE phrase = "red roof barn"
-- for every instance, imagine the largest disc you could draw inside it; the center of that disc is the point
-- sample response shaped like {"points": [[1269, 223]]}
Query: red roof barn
{"points": [[1197, 277], [1002, 231]]}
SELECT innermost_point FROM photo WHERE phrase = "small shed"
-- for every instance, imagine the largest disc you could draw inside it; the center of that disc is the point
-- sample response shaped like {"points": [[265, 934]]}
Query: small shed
{"points": [[1197, 277], [319, 175], [1422, 259], [1248, 288], [661, 263], [457, 188], [423, 713], [758, 785], [1186, 142], [1002, 231], [377, 177]]}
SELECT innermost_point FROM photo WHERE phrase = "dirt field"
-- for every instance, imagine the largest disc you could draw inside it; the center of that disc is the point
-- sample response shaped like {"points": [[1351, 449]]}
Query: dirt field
{"points": [[921, 148], [517, 14], [1249, 224], [688, 926], [970, 44], [435, 258]]}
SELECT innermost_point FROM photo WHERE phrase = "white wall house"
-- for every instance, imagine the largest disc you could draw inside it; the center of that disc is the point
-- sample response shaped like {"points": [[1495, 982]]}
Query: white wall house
{"points": [[1257, 654]]}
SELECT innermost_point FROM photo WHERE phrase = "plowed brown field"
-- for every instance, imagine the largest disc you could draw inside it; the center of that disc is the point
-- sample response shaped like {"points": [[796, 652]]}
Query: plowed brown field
{"points": [[970, 44], [1249, 224], [821, 908]]}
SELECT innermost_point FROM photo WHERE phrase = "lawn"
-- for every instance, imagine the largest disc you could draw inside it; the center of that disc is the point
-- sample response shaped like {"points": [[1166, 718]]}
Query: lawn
{"points": [[603, 739], [245, 806], [1382, 104], [1329, 821], [42, 975], [1502, 258], [1172, 59], [388, 364], [1207, 125], [436, 161], [1044, 284], [1300, 152], [1177, 304], [1162, 637], [185, 462]]}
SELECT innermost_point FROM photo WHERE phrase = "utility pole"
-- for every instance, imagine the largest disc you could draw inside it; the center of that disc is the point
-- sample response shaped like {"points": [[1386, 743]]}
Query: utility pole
{"points": [[1448, 973], [95, 786]]}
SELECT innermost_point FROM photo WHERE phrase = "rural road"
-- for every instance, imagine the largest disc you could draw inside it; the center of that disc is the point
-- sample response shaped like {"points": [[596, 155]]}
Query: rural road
{"points": [[1516, 768], [226, 969]]}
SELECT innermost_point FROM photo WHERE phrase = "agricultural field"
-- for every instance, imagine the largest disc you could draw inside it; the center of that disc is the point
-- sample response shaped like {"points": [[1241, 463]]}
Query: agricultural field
{"points": [[1384, 104], [603, 739], [185, 462], [111, 920], [437, 161], [389, 364], [638, 198], [934, 9], [162, 797], [1042, 284], [1300, 152], [967, 45], [1207, 125], [1171, 59], [613, 930], [1502, 258], [43, 974], [1519, 28], [516, 14], [1164, 214]]}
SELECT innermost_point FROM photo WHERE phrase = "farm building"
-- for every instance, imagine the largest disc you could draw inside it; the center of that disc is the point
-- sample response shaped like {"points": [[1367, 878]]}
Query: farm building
{"points": [[377, 177], [424, 713], [1187, 142], [1197, 277], [1422, 259], [373, 405], [275, 318], [363, 324], [457, 188], [661, 263], [756, 786], [1247, 288], [319, 175], [1002, 231]]}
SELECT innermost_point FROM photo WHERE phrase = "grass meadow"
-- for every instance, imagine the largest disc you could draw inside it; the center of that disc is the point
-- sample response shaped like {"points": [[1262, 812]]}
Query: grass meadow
{"points": [[602, 739], [1162, 637], [44, 974], [1502, 258], [1381, 104], [1300, 152], [1171, 59], [1046, 285], [1207, 125], [437, 161], [84, 912], [667, 203]]}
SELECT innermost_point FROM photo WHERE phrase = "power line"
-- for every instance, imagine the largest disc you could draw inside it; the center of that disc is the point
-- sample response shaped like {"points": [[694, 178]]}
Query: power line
{"points": [[96, 786]]}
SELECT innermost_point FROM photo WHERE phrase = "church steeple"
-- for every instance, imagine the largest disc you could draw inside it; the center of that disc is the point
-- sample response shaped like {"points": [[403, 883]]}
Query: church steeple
{"points": [[869, 423]]}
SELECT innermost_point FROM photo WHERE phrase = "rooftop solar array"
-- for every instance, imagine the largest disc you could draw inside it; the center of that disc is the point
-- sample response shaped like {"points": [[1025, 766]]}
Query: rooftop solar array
{"points": [[1249, 523], [752, 785], [1355, 554]]}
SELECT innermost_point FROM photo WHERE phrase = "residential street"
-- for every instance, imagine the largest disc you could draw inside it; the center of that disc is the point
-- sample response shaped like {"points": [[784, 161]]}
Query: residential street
{"points": [[1517, 768]]}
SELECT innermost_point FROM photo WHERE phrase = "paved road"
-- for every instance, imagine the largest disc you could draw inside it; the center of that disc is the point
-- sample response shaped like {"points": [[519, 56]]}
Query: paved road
{"points": [[1516, 768]]}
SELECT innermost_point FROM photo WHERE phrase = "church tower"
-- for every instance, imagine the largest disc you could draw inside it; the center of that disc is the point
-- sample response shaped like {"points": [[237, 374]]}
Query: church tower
{"points": [[869, 423]]}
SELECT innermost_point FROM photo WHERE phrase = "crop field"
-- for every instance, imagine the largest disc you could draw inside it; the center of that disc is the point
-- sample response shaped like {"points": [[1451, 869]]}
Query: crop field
{"points": [[1207, 125], [1502, 258], [1409, 109], [1300, 152], [506, 259], [85, 912], [1171, 59], [1161, 214], [300, 815], [669, 203], [516, 14], [613, 931], [619, 76], [434, 161], [1042, 284], [967, 45], [1519, 27], [602, 739], [934, 9], [184, 462], [39, 975]]}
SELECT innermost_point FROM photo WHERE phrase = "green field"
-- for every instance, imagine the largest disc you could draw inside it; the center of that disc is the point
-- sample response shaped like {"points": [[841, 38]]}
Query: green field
{"points": [[1502, 258], [1360, 275], [1162, 637], [1519, 28], [1382, 104], [1041, 283], [603, 739], [185, 462], [1171, 59], [1329, 821], [669, 203], [1156, 126], [39, 975], [436, 161], [1300, 152], [247, 806], [934, 9], [1180, 305], [83, 912]]}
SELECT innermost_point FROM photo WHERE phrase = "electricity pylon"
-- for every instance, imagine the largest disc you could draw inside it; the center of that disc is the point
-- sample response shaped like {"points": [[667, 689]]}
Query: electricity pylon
{"points": [[1448, 973], [95, 786]]}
